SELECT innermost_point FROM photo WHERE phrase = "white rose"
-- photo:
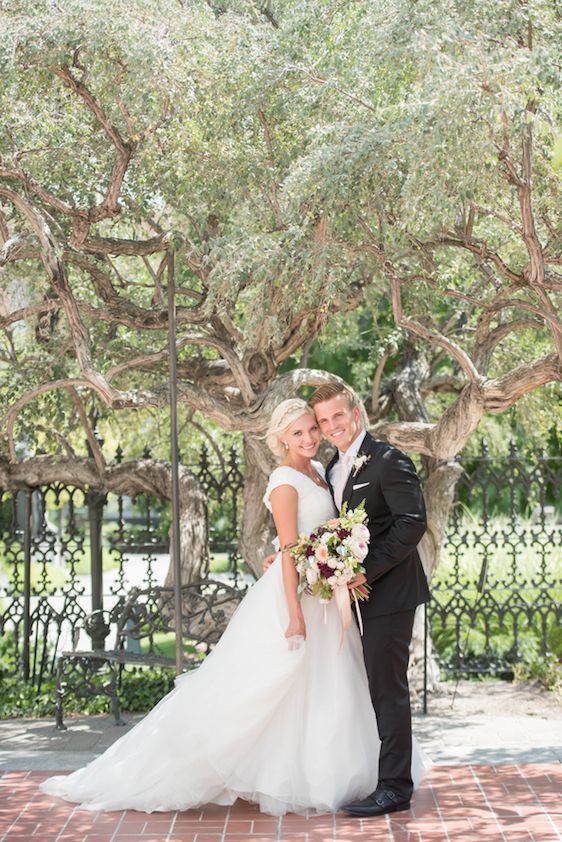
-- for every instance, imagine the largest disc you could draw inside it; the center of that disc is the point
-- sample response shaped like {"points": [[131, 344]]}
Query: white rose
{"points": [[358, 548], [360, 532], [332, 562], [311, 576], [332, 580]]}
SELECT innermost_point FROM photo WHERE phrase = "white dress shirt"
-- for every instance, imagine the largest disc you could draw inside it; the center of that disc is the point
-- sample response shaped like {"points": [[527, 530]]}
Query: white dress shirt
{"points": [[344, 464]]}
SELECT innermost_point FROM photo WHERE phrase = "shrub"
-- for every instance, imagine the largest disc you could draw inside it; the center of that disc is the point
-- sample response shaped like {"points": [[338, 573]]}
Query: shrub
{"points": [[140, 691]]}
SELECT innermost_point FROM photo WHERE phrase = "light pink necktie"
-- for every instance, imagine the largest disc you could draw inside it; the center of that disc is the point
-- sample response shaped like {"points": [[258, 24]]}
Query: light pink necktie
{"points": [[343, 474]]}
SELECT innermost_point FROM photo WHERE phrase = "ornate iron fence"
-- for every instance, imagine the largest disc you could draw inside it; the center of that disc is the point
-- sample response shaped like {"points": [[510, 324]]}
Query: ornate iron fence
{"points": [[223, 481], [65, 553], [496, 596]]}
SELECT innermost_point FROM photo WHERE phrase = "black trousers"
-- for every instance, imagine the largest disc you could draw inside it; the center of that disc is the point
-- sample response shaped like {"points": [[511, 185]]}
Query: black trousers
{"points": [[386, 649]]}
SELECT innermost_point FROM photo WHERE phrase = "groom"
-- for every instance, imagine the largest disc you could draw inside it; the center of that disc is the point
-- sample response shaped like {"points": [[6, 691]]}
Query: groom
{"points": [[385, 478]]}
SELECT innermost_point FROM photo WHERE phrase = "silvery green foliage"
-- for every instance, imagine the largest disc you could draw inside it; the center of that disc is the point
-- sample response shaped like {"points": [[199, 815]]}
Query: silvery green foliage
{"points": [[290, 130], [412, 119]]}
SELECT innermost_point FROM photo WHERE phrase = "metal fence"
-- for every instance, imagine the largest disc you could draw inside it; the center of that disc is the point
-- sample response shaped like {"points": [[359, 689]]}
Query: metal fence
{"points": [[496, 597]]}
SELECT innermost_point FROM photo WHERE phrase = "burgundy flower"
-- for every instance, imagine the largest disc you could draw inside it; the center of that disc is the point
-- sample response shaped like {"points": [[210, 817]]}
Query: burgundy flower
{"points": [[343, 533], [325, 570], [309, 551]]}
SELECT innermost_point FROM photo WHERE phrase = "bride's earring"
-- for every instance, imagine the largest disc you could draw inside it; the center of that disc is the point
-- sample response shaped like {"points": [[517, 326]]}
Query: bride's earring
{"points": [[285, 445]]}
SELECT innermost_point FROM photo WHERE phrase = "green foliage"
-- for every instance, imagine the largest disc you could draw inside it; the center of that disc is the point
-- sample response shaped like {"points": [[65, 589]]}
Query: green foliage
{"points": [[5, 515], [545, 669], [18, 698], [386, 118], [483, 631], [490, 637], [140, 690], [557, 153], [8, 651]]}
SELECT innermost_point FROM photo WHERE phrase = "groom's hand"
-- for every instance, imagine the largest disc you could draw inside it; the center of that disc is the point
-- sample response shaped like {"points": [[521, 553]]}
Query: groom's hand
{"points": [[267, 562], [359, 580]]}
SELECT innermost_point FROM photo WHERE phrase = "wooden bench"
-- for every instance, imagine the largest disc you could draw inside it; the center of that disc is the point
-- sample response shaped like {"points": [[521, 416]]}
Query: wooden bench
{"points": [[139, 618]]}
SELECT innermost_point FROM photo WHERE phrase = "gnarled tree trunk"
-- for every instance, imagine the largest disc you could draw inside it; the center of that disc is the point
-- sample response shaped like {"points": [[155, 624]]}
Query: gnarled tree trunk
{"points": [[194, 531], [258, 530], [442, 476], [439, 492]]}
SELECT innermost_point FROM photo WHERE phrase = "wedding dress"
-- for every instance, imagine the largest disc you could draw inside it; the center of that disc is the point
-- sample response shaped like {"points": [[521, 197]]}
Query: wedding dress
{"points": [[290, 729]]}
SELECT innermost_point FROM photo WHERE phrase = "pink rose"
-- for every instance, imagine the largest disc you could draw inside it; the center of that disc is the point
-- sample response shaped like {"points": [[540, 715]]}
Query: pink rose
{"points": [[322, 552], [333, 523]]}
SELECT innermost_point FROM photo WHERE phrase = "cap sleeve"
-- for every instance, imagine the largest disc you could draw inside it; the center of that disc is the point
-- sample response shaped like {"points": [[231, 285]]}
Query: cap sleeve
{"points": [[280, 476]]}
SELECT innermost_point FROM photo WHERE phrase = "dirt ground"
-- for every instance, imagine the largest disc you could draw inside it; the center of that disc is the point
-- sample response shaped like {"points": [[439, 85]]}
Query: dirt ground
{"points": [[494, 698]]}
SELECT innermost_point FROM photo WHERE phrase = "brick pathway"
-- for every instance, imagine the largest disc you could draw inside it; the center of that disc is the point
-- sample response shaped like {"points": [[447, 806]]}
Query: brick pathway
{"points": [[515, 803]]}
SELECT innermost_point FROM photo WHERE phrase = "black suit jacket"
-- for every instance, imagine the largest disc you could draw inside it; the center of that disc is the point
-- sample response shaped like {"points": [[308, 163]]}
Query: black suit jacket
{"points": [[389, 485]]}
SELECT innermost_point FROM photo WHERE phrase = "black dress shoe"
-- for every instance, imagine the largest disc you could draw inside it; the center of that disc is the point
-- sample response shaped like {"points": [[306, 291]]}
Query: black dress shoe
{"points": [[380, 802]]}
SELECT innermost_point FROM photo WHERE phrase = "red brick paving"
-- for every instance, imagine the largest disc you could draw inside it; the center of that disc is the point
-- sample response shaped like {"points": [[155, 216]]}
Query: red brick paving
{"points": [[506, 803]]}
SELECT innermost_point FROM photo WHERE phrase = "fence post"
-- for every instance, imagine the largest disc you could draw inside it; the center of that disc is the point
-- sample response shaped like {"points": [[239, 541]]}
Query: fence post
{"points": [[95, 501], [425, 635], [26, 583]]}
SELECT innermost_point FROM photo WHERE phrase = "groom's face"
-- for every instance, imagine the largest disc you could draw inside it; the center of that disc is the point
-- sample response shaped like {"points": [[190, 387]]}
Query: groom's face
{"points": [[338, 422]]}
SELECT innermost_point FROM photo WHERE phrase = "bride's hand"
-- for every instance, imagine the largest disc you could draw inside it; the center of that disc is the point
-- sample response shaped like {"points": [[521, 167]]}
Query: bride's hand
{"points": [[296, 627]]}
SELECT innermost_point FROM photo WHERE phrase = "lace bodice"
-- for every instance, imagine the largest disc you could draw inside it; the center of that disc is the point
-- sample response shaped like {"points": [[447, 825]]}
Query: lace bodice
{"points": [[315, 503]]}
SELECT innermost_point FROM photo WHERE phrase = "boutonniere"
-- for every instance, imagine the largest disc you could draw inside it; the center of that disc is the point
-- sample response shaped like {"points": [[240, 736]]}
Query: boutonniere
{"points": [[359, 462]]}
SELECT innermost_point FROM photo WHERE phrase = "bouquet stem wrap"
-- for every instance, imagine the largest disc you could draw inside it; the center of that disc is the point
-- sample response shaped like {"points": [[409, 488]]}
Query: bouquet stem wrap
{"points": [[343, 602]]}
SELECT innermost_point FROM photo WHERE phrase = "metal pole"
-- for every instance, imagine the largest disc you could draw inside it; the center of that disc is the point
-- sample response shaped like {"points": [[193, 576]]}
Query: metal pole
{"points": [[176, 549], [96, 502], [425, 634], [26, 583]]}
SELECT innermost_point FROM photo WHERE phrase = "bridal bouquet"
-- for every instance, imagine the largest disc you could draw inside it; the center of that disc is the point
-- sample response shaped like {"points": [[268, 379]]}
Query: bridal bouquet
{"points": [[331, 556]]}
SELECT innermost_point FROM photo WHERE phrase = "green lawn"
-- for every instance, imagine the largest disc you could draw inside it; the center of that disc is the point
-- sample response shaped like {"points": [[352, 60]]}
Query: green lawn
{"points": [[503, 550], [218, 563], [165, 644], [56, 576]]}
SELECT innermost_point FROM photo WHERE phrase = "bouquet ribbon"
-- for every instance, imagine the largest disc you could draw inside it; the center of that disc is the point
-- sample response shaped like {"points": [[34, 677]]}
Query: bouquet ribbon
{"points": [[343, 602]]}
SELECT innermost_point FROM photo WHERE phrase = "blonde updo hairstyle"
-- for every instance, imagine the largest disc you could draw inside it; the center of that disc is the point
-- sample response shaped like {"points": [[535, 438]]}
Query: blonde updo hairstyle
{"points": [[281, 418]]}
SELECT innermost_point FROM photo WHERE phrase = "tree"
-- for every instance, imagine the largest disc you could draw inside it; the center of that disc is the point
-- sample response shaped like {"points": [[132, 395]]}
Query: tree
{"points": [[455, 198], [300, 159], [97, 186]]}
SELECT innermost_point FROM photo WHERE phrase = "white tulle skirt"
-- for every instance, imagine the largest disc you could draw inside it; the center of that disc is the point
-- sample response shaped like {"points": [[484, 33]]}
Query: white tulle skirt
{"points": [[293, 731]]}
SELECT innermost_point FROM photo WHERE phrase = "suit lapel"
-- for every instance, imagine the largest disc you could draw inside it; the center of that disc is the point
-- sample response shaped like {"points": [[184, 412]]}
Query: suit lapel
{"points": [[364, 448], [329, 467]]}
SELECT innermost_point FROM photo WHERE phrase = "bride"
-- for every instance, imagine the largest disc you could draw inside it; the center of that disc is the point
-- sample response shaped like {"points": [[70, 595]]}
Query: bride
{"points": [[278, 713]]}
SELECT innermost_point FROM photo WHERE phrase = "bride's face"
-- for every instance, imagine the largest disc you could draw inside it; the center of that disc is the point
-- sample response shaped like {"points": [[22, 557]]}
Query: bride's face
{"points": [[302, 437]]}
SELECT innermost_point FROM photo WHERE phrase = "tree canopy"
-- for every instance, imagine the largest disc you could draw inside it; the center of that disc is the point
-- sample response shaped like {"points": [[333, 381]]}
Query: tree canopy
{"points": [[302, 159]]}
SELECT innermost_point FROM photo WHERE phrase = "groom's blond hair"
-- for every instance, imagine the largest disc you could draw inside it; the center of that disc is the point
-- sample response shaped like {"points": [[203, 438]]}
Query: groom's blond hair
{"points": [[332, 390]]}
